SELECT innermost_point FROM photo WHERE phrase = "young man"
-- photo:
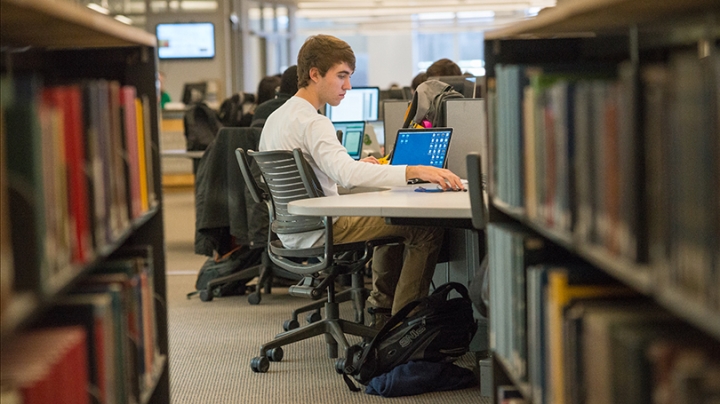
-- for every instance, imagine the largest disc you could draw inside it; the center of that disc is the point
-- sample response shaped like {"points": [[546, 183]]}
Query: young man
{"points": [[400, 273]]}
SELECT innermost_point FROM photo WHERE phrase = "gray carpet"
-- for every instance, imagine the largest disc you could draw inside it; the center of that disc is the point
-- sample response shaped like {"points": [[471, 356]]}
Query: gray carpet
{"points": [[212, 343]]}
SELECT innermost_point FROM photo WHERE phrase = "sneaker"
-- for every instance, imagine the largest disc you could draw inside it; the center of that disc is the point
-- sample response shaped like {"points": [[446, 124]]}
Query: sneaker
{"points": [[378, 317]]}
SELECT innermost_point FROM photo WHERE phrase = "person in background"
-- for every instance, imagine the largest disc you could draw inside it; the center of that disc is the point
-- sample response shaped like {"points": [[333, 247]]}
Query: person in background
{"points": [[417, 80], [164, 96], [268, 88], [401, 273], [288, 88], [266, 91], [443, 67]]}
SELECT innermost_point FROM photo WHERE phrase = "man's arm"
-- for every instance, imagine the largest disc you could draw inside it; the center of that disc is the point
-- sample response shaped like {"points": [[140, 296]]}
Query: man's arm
{"points": [[443, 177]]}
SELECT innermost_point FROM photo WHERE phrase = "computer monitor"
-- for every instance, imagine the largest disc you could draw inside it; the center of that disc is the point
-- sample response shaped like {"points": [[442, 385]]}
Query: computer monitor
{"points": [[464, 85], [351, 135], [359, 104], [194, 93]]}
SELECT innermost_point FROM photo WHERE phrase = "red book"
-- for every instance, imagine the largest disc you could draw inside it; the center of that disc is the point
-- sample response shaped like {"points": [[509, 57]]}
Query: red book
{"points": [[69, 100]]}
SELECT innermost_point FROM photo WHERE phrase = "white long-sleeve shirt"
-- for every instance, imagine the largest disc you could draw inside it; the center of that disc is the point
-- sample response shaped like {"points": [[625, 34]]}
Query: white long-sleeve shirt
{"points": [[296, 124]]}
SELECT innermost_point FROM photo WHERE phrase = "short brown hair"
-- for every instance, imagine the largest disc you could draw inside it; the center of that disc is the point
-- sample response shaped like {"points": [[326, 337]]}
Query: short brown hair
{"points": [[322, 52], [443, 67]]}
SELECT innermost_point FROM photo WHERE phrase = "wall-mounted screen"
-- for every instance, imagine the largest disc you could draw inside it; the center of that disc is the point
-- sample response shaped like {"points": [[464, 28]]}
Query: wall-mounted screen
{"points": [[359, 104], [186, 40]]}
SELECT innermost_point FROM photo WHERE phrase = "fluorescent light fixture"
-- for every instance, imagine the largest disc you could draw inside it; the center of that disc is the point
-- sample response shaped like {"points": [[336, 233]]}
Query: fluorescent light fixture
{"points": [[100, 9], [476, 14], [123, 19]]}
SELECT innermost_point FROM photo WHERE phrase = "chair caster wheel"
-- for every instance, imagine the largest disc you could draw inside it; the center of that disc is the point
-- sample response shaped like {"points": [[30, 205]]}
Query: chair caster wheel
{"points": [[205, 296], [313, 317], [275, 354], [260, 364], [254, 298], [290, 325], [340, 365]]}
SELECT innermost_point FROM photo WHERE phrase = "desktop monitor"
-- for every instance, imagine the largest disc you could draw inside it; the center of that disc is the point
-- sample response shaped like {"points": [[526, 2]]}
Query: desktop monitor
{"points": [[351, 135], [359, 104], [194, 93], [464, 85]]}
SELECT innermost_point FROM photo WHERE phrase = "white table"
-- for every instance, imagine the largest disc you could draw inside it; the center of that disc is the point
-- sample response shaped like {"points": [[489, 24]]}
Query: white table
{"points": [[398, 202], [404, 206]]}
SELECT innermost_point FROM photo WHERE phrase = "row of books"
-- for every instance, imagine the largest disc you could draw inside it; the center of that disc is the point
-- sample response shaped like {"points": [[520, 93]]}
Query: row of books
{"points": [[78, 159], [568, 333], [622, 157], [97, 344]]}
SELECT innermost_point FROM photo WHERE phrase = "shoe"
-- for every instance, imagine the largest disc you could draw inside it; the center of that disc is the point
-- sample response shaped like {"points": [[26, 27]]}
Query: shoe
{"points": [[378, 316]]}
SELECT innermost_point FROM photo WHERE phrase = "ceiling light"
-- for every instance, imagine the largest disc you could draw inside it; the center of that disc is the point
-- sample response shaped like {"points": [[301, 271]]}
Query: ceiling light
{"points": [[100, 9]]}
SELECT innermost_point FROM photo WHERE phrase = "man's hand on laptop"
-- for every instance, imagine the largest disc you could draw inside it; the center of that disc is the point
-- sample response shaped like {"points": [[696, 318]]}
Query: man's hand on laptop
{"points": [[443, 177]]}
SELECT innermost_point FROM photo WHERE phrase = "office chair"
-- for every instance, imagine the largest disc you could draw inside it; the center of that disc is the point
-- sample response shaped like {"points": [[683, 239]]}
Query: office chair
{"points": [[476, 185], [227, 214], [289, 177]]}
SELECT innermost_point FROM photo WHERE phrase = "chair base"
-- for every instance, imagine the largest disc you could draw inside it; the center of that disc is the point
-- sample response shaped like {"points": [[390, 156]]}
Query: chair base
{"points": [[333, 327], [357, 294]]}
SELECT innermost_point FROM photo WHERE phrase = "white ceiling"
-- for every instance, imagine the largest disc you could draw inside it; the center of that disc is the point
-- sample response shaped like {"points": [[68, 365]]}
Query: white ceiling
{"points": [[383, 15]]}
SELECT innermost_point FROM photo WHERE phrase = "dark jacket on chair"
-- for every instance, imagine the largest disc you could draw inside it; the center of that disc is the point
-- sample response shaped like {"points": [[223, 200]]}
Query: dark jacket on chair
{"points": [[223, 206]]}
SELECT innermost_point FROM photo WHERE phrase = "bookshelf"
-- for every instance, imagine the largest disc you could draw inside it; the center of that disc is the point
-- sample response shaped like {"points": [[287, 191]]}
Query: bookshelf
{"points": [[603, 125], [81, 183]]}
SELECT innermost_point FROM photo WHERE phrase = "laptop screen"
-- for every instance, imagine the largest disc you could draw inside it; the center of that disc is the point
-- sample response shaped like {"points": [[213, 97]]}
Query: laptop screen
{"points": [[427, 147], [351, 134]]}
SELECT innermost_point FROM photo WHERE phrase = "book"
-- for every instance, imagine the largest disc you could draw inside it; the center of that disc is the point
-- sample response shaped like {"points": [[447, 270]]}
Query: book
{"points": [[121, 211], [115, 286], [566, 284], [132, 159], [58, 242], [127, 269], [7, 267], [26, 197], [148, 152], [95, 161], [46, 365], [142, 155], [142, 256], [683, 373], [584, 365], [510, 251], [68, 99], [94, 313]]}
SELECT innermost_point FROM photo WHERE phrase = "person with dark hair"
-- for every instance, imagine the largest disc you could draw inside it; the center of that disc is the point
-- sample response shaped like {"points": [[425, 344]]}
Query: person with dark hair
{"points": [[443, 67], [417, 80], [401, 273], [288, 88], [267, 88]]}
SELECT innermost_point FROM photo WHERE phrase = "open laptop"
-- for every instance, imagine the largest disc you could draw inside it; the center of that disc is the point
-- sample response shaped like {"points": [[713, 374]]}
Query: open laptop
{"points": [[351, 135], [428, 147]]}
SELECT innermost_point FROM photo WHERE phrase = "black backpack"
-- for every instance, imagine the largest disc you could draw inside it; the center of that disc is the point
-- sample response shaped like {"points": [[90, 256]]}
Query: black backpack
{"points": [[242, 258], [440, 331], [235, 111], [201, 124]]}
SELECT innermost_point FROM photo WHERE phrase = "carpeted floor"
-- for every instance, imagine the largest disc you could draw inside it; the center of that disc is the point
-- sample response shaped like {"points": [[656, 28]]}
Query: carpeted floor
{"points": [[212, 343]]}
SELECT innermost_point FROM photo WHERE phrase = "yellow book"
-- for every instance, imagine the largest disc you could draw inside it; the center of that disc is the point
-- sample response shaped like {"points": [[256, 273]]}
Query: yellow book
{"points": [[560, 294], [142, 162]]}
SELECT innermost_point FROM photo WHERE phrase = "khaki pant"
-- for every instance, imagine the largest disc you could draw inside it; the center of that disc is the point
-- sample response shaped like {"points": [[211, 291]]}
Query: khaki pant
{"points": [[397, 280]]}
